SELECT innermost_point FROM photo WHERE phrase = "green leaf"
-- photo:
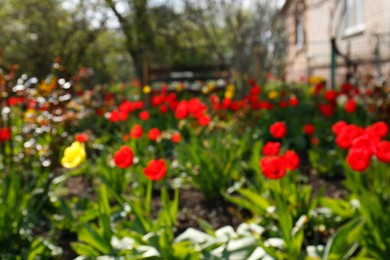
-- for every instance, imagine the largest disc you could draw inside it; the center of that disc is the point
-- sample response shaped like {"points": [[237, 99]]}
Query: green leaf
{"points": [[37, 249], [206, 226], [254, 197], [255, 157], [185, 250], [91, 236], [339, 207], [105, 211], [344, 243], [84, 250]]}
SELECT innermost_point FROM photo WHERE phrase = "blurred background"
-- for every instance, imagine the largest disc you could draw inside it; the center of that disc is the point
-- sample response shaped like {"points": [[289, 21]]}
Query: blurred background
{"points": [[120, 40]]}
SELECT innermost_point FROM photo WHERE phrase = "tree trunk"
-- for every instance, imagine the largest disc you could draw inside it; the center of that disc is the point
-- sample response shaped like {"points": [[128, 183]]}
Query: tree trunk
{"points": [[138, 60]]}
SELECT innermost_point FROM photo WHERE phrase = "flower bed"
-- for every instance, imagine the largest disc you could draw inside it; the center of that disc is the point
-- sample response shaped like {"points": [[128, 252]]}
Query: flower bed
{"points": [[284, 172]]}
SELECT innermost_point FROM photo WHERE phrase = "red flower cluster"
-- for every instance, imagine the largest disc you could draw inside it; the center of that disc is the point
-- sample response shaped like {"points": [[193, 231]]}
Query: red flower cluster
{"points": [[155, 170], [362, 143], [5, 134], [125, 108], [195, 108], [123, 158], [13, 101], [251, 100], [328, 107], [275, 167], [118, 115], [165, 100], [349, 90]]}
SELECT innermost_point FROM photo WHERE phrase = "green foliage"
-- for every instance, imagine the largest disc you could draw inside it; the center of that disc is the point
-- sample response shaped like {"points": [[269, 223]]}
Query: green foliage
{"points": [[224, 150], [371, 190], [37, 32], [344, 243]]}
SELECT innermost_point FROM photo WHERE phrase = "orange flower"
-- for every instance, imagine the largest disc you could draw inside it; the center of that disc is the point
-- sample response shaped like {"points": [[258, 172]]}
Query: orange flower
{"points": [[176, 138]]}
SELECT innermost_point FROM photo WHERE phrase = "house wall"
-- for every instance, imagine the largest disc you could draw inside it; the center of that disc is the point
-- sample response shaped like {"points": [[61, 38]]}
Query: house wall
{"points": [[315, 56], [297, 63]]}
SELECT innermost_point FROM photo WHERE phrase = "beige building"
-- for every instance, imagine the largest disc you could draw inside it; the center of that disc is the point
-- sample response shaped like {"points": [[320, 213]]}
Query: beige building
{"points": [[360, 30]]}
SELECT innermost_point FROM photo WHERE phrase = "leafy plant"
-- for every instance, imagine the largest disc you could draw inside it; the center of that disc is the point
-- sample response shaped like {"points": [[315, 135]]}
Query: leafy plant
{"points": [[214, 162], [371, 189]]}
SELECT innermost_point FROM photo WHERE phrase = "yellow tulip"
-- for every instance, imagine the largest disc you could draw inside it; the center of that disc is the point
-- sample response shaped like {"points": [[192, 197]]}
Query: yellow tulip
{"points": [[315, 80], [210, 87], [147, 89], [229, 94], [74, 155], [179, 87], [273, 94], [312, 90], [230, 87]]}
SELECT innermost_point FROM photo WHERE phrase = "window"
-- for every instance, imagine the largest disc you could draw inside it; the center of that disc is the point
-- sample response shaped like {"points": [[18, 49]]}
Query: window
{"points": [[299, 25], [299, 32], [353, 17]]}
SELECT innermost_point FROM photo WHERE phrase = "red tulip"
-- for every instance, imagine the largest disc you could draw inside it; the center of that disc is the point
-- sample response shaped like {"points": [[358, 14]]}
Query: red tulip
{"points": [[155, 170], [123, 158], [278, 130], [181, 111], [5, 134], [358, 159], [144, 115], [350, 106], [204, 120], [338, 127], [271, 149], [176, 138], [383, 151], [293, 101], [82, 138], [291, 160], [272, 167], [309, 129], [154, 134], [117, 115], [378, 129], [136, 132]]}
